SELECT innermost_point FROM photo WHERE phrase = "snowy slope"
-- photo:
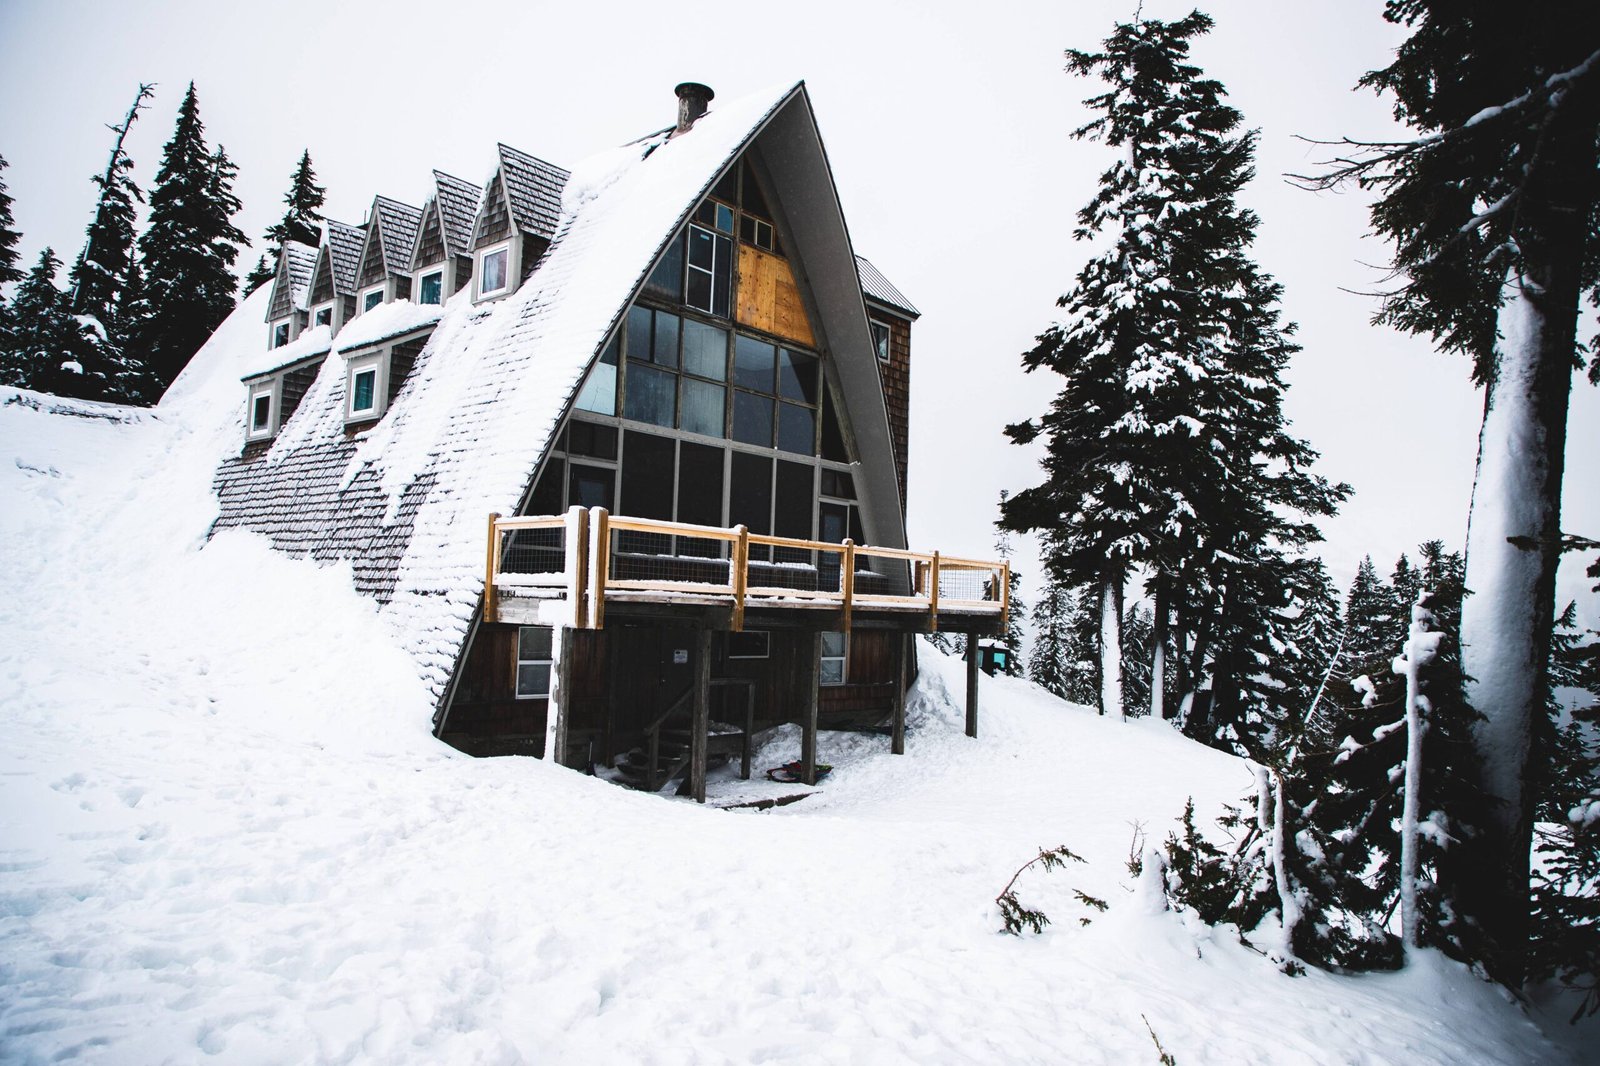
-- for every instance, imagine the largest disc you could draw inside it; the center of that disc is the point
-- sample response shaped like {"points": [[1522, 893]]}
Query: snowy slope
{"points": [[226, 834]]}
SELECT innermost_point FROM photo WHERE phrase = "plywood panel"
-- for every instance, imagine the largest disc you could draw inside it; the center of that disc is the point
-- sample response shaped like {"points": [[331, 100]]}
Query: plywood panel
{"points": [[769, 299]]}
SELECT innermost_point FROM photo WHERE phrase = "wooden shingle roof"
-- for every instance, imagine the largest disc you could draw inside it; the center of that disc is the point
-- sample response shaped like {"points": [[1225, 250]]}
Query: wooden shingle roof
{"points": [[344, 248], [534, 188], [291, 286], [458, 206], [396, 224]]}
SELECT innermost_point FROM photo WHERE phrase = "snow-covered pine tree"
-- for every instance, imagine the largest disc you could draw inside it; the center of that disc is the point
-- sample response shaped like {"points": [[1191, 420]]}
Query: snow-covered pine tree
{"points": [[301, 222], [9, 271], [1166, 447], [1136, 655], [1495, 214], [188, 248], [1064, 659], [42, 333], [100, 275], [1011, 640]]}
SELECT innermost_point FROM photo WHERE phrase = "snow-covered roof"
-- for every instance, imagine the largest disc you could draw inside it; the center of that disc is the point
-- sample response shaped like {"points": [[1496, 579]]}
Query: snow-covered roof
{"points": [[405, 501], [395, 224], [875, 285], [534, 189], [458, 205], [297, 262], [344, 247], [310, 344]]}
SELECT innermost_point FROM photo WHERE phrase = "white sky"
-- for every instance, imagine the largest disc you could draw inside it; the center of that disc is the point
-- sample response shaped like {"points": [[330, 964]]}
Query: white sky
{"points": [[947, 127]]}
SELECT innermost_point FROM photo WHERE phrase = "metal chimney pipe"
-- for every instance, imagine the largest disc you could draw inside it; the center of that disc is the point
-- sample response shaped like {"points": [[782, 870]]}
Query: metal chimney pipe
{"points": [[693, 99]]}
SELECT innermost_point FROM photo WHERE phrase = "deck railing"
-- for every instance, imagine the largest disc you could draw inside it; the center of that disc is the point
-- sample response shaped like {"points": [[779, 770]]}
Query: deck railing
{"points": [[586, 557]]}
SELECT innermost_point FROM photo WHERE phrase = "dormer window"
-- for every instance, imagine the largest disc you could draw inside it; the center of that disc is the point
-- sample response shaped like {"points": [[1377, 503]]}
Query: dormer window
{"points": [[280, 334], [494, 270], [323, 316], [430, 287], [261, 405], [364, 385], [372, 298]]}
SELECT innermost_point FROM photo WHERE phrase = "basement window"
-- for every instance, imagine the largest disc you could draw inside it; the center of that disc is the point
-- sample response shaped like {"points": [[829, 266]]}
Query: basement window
{"points": [[834, 651], [533, 662]]}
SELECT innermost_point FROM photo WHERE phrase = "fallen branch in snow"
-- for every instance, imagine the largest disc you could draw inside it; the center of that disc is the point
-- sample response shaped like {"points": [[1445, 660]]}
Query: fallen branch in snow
{"points": [[1017, 917], [1166, 1056]]}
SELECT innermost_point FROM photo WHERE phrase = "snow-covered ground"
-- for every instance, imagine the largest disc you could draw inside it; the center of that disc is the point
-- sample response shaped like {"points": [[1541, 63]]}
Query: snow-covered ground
{"points": [[226, 833]]}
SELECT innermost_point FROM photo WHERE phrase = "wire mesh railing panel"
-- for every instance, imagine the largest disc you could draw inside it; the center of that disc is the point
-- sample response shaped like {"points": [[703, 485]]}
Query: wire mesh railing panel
{"points": [[533, 551], [967, 585], [669, 560]]}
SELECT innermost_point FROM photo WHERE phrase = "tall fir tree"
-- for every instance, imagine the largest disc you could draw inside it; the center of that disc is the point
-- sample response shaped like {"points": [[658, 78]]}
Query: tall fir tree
{"points": [[1011, 640], [39, 356], [188, 248], [1166, 448], [101, 274], [9, 271], [301, 222], [1494, 212]]}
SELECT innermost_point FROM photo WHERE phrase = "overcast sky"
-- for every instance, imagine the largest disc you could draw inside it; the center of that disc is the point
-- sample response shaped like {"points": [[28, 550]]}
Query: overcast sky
{"points": [[947, 127]]}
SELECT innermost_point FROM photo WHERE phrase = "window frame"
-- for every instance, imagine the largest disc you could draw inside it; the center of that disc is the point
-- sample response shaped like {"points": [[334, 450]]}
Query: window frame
{"points": [[367, 304], [318, 310], [428, 272], [378, 364], [518, 662], [283, 327], [843, 658], [482, 256], [766, 644], [258, 390], [885, 354]]}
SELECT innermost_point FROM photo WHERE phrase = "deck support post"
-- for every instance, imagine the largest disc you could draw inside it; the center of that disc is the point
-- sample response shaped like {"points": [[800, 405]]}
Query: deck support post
{"points": [[897, 735], [699, 733], [560, 699], [808, 725], [972, 684]]}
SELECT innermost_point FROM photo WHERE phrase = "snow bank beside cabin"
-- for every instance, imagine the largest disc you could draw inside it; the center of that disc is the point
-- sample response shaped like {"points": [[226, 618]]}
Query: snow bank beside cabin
{"points": [[226, 835]]}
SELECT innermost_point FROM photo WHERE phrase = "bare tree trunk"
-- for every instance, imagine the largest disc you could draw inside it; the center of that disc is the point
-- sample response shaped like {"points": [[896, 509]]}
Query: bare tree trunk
{"points": [[1111, 646], [1158, 655]]}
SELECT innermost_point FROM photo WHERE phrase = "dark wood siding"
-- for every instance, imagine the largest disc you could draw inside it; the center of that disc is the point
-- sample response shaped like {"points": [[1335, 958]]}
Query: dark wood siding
{"points": [[463, 272], [401, 359], [372, 271], [281, 293], [897, 388], [402, 288], [295, 384], [532, 249], [322, 287]]}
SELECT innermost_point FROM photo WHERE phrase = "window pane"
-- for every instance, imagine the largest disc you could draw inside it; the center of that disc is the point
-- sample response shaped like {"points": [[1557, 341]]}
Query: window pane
{"points": [[647, 475], [324, 316], [651, 395], [703, 407], [750, 495], [533, 680], [702, 248], [833, 522], [752, 419], [599, 390], [431, 289], [723, 282], [705, 350], [361, 393], [546, 498], [494, 271], [261, 414], [880, 340], [697, 290], [753, 363], [700, 484], [724, 218], [373, 299], [593, 486], [833, 644], [797, 429], [587, 438], [832, 435], [639, 330], [667, 278], [797, 376], [666, 339], [280, 335], [832, 672], [533, 642], [793, 511]]}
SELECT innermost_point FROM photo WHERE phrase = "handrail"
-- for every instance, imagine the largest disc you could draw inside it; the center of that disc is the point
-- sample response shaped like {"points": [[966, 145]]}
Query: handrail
{"points": [[590, 556]]}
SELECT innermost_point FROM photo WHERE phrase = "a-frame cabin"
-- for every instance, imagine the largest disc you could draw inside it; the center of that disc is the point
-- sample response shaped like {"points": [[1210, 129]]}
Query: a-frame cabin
{"points": [[685, 430]]}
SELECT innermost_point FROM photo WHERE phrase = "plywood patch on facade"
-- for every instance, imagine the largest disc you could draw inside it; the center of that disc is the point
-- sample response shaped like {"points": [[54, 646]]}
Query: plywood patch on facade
{"points": [[769, 298]]}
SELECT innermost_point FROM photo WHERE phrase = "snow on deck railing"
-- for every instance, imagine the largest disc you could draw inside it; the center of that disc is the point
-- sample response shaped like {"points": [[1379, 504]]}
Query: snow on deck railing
{"points": [[585, 557]]}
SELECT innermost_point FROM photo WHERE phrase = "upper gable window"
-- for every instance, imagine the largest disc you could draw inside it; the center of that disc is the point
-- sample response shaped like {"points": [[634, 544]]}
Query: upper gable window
{"points": [[280, 334], [430, 287], [494, 270], [372, 298], [708, 281], [754, 231], [880, 339]]}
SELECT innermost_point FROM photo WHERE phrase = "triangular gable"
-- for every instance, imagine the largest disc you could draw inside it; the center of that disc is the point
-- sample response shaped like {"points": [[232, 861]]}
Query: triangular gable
{"points": [[345, 243], [291, 284], [533, 187], [493, 219], [457, 201], [398, 224], [430, 245]]}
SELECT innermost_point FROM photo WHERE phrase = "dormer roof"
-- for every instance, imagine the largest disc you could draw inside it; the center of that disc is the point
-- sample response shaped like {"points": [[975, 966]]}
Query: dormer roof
{"points": [[458, 204], [291, 286], [344, 250], [879, 288], [534, 189], [394, 225]]}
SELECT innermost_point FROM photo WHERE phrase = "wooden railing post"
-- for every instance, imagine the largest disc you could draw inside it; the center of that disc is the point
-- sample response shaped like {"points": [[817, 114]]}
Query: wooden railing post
{"points": [[577, 560], [847, 579], [491, 609], [1005, 592], [739, 564], [933, 593], [599, 564]]}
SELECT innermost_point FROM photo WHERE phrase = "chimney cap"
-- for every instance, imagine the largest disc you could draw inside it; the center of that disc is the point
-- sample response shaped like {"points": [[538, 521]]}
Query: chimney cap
{"points": [[694, 89], [692, 100]]}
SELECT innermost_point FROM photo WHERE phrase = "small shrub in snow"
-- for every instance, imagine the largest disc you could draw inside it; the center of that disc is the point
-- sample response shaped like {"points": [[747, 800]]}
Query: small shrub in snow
{"points": [[1016, 917]]}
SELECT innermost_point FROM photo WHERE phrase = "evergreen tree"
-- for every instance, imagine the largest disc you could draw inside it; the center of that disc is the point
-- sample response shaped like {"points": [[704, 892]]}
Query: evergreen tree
{"points": [[1494, 211], [8, 266], [101, 273], [301, 222], [188, 248], [39, 356], [1166, 447], [1064, 660], [1011, 640]]}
